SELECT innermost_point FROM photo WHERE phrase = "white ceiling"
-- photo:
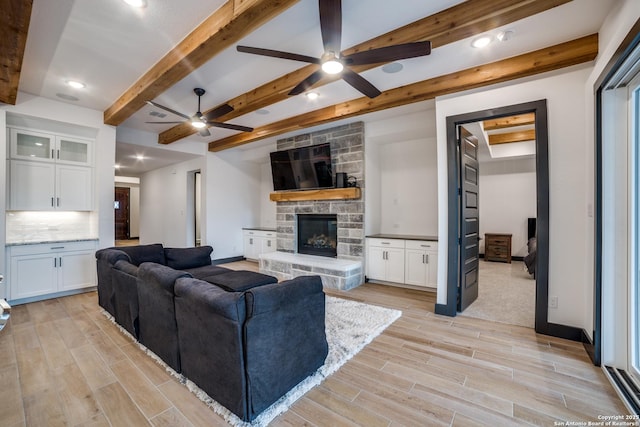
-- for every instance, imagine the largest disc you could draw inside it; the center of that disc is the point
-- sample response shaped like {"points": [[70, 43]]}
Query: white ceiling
{"points": [[109, 45]]}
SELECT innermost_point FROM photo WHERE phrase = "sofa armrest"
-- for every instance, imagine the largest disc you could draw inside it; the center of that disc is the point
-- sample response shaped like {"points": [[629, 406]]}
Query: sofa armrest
{"points": [[112, 255], [126, 267], [285, 337]]}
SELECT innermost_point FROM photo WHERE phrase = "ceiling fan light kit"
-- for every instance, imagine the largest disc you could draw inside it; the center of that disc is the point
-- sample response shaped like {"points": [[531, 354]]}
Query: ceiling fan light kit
{"points": [[333, 62]]}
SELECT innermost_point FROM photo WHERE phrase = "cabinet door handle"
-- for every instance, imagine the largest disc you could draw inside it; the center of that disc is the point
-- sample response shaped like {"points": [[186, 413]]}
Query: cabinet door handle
{"points": [[427, 257], [58, 201], [269, 243], [52, 202], [251, 241], [52, 156], [58, 154], [55, 263], [57, 247], [385, 243], [60, 263]]}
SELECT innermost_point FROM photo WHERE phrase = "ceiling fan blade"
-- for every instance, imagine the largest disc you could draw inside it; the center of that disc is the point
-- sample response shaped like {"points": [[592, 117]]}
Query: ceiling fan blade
{"points": [[162, 107], [389, 53], [307, 83], [204, 132], [278, 54], [218, 112], [230, 126], [164, 123], [331, 24], [360, 83]]}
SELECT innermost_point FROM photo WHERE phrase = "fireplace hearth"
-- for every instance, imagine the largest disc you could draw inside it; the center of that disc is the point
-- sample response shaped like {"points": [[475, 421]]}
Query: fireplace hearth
{"points": [[318, 234]]}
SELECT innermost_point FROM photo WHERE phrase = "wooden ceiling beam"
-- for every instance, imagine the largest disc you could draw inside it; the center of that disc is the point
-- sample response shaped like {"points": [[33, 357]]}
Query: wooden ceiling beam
{"points": [[508, 137], [551, 58], [511, 121], [450, 25], [223, 28], [14, 26]]}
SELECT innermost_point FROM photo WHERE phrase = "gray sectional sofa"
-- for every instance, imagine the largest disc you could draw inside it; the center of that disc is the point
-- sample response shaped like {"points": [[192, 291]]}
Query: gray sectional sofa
{"points": [[240, 336]]}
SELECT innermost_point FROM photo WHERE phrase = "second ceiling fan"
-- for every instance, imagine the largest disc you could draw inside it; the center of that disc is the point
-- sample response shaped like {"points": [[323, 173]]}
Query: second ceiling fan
{"points": [[333, 62]]}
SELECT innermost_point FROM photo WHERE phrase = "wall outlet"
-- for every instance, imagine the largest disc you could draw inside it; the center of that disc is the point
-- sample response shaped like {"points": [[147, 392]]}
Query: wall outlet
{"points": [[553, 302]]}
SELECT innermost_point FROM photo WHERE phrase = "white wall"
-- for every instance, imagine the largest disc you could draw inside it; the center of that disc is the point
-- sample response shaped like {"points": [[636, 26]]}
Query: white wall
{"points": [[267, 207], [566, 98], [165, 214], [507, 200], [233, 190], [104, 150], [401, 175]]}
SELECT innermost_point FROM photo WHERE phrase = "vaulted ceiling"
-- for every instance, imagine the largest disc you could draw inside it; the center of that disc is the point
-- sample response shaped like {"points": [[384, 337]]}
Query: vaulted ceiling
{"points": [[161, 52]]}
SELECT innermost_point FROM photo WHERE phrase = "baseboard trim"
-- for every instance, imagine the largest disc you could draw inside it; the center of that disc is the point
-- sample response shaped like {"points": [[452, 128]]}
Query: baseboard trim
{"points": [[625, 387], [443, 309], [227, 260]]}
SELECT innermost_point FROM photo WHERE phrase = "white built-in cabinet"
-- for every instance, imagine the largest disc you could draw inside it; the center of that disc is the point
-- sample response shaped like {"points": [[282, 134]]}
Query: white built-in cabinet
{"points": [[385, 260], [258, 242], [410, 262], [50, 172], [44, 269]]}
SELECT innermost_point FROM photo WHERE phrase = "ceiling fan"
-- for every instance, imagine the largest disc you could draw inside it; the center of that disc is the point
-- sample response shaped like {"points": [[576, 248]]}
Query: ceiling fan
{"points": [[202, 121], [332, 62]]}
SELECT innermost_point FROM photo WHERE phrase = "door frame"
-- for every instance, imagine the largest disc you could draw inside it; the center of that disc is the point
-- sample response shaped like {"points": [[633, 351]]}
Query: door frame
{"points": [[538, 107]]}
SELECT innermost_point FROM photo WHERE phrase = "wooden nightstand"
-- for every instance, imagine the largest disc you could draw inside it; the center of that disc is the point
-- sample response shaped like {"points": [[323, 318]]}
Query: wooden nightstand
{"points": [[497, 247]]}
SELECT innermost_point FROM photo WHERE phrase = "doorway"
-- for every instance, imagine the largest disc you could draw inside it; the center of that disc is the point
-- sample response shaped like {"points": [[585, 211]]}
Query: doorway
{"points": [[121, 207], [455, 251]]}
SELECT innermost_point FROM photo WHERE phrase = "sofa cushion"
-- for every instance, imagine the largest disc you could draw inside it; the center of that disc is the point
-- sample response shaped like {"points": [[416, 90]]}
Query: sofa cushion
{"points": [[184, 258], [145, 253], [206, 271], [126, 267], [241, 280]]}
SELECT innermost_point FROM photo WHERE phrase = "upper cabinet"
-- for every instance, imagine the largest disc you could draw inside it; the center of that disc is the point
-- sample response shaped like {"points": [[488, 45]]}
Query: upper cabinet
{"points": [[49, 171], [39, 146]]}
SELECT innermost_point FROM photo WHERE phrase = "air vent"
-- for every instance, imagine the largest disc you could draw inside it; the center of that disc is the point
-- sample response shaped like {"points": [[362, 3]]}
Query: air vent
{"points": [[157, 114]]}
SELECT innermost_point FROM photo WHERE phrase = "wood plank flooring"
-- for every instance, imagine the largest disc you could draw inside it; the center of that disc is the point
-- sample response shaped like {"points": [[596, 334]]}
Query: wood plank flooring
{"points": [[63, 363]]}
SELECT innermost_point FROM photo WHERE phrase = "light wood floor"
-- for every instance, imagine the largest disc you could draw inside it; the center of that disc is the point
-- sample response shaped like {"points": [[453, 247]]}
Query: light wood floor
{"points": [[63, 363]]}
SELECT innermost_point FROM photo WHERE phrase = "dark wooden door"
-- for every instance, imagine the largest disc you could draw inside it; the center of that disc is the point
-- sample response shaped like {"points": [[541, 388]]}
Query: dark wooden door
{"points": [[469, 227], [121, 206]]}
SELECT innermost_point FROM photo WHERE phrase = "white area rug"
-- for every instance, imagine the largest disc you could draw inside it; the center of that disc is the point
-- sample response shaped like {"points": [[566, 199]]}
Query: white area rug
{"points": [[349, 325]]}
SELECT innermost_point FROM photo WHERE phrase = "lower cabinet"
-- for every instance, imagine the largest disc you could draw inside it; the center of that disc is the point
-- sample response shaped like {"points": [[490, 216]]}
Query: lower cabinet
{"points": [[258, 242], [410, 262], [42, 269], [385, 260], [421, 263]]}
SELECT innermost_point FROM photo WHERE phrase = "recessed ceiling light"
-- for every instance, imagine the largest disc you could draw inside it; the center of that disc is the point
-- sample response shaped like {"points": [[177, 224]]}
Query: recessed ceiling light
{"points": [[139, 157], [480, 42], [312, 95], [392, 67], [136, 3], [76, 84], [117, 166]]}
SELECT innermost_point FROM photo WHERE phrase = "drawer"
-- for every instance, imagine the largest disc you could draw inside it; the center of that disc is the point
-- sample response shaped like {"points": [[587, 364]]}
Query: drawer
{"points": [[421, 244], [52, 247], [259, 233], [386, 243], [499, 241]]}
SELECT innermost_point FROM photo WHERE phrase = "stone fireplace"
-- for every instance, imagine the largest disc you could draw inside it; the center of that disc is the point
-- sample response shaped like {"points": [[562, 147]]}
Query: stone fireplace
{"points": [[345, 270], [318, 234]]}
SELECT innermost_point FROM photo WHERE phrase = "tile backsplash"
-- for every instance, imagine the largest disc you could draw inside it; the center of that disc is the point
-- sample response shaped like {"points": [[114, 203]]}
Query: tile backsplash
{"points": [[29, 226]]}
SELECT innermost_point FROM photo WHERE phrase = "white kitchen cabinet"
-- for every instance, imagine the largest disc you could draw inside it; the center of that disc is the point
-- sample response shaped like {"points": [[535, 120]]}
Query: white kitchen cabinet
{"points": [[37, 186], [421, 263], [257, 242], [385, 260], [43, 270], [50, 172], [403, 261], [45, 147]]}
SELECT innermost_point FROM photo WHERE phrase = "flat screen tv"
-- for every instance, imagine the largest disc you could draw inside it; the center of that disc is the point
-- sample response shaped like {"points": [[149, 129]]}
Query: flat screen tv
{"points": [[302, 168]]}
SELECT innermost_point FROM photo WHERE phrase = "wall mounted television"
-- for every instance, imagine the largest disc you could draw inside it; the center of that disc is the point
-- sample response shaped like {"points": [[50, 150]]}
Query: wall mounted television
{"points": [[302, 168]]}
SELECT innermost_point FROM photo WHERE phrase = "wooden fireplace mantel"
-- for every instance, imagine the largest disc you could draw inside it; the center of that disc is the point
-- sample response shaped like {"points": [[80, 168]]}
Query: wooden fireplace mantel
{"points": [[323, 194]]}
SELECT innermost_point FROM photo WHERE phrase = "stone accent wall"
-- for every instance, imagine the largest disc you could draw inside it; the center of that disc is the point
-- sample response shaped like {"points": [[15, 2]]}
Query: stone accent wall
{"points": [[347, 154]]}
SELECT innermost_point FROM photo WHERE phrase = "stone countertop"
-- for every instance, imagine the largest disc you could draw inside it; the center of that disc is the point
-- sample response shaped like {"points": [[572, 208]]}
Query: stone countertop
{"points": [[45, 242], [260, 229], [404, 237]]}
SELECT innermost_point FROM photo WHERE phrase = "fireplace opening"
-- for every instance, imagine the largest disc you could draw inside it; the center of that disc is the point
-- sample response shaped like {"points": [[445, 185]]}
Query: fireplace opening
{"points": [[318, 234]]}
